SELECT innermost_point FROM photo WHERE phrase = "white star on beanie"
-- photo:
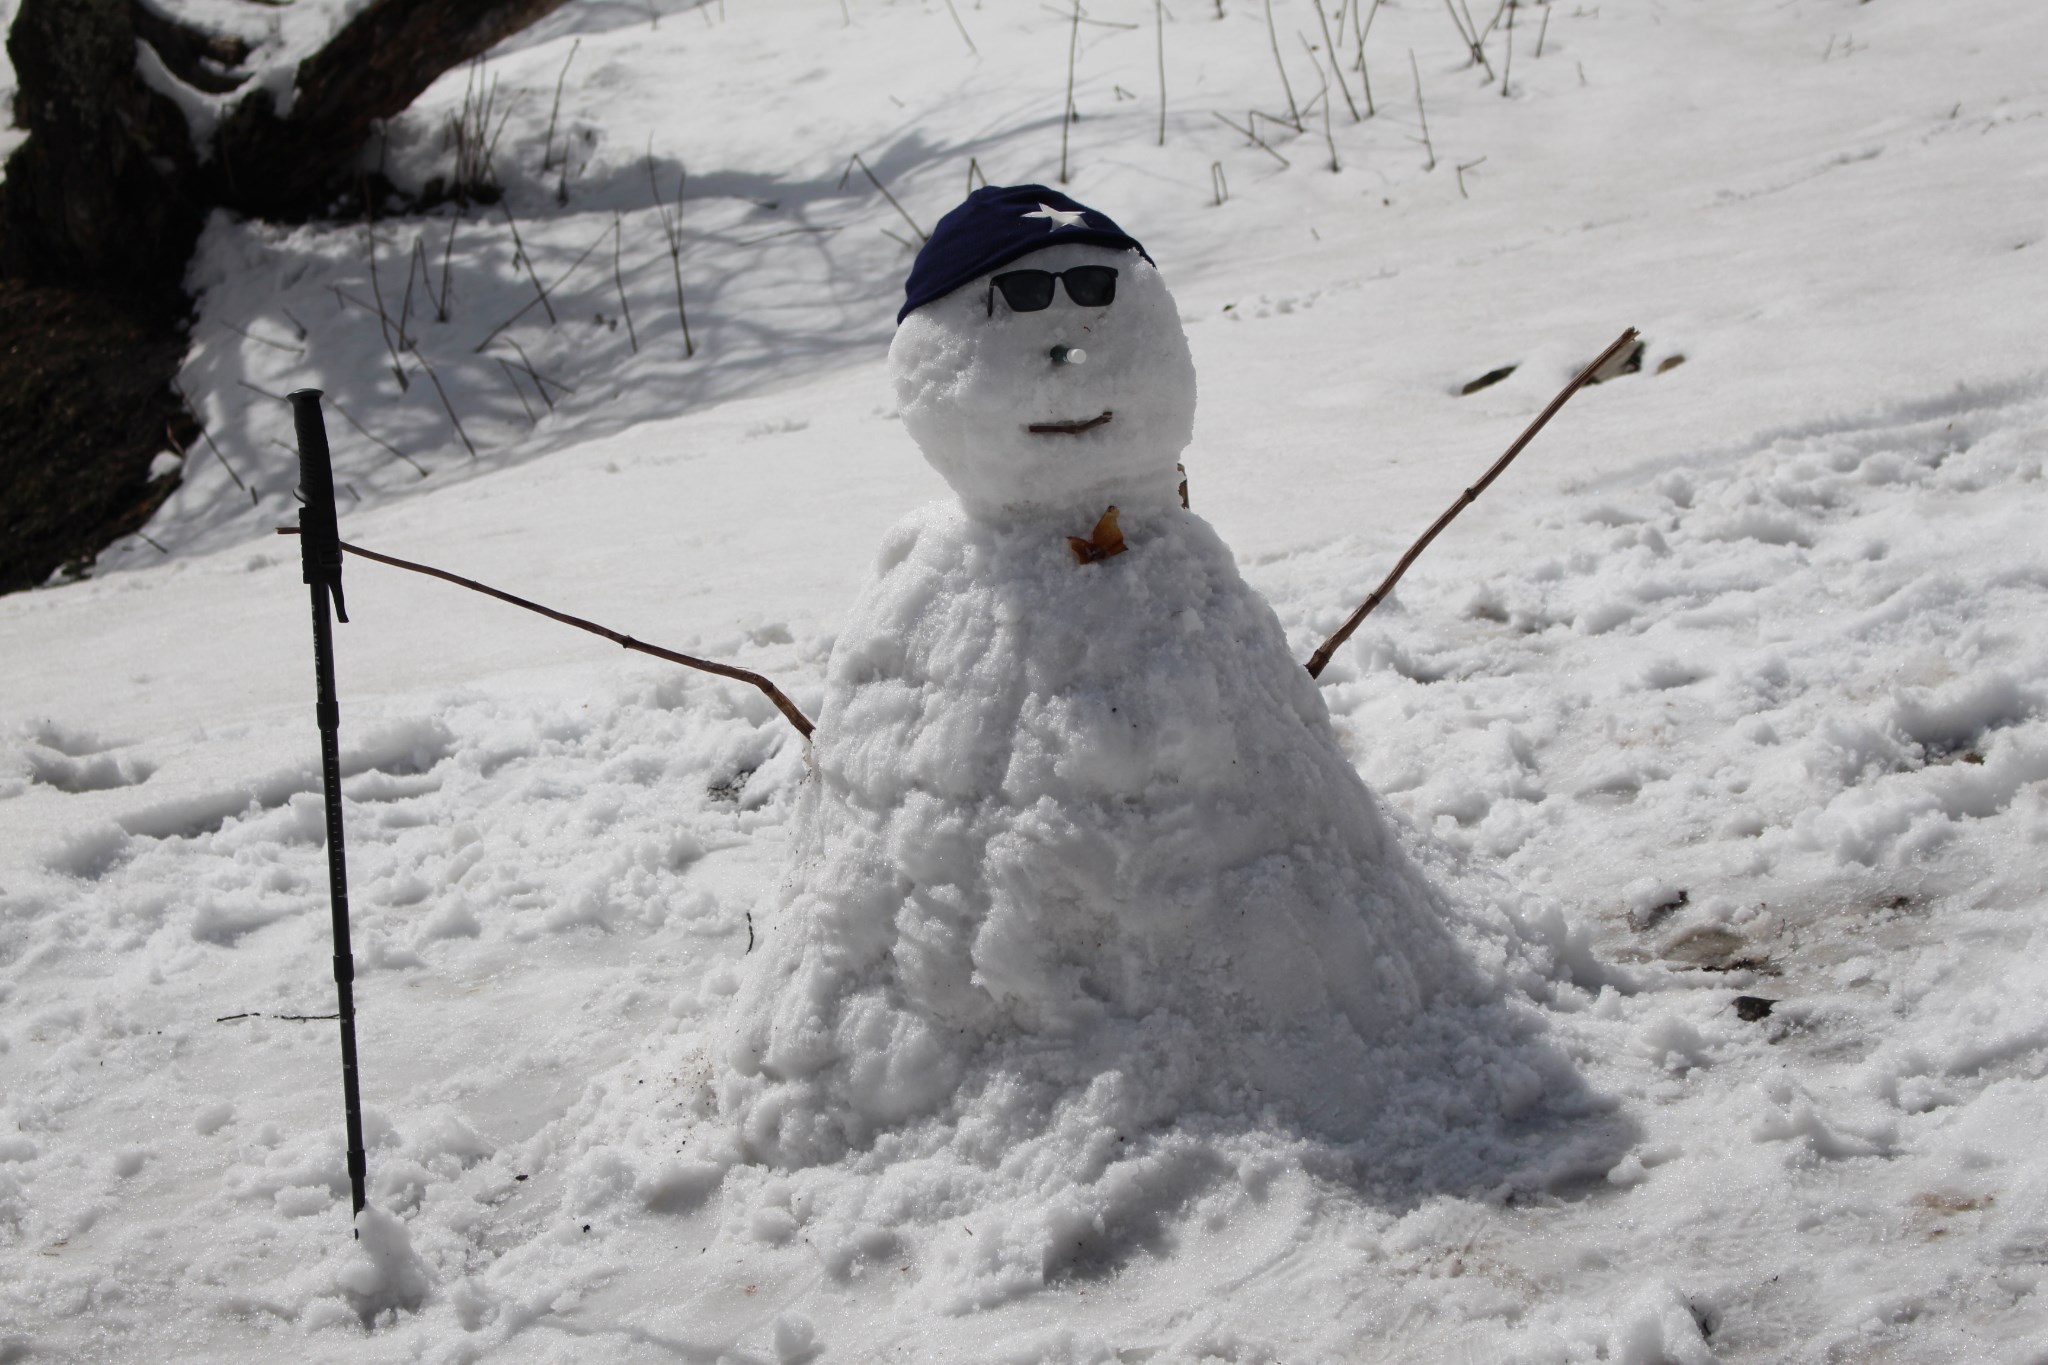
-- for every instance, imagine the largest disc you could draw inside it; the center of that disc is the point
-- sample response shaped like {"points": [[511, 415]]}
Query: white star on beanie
{"points": [[1059, 218]]}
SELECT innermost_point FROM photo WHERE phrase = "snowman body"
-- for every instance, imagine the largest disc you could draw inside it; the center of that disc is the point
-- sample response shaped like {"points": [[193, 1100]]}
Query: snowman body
{"points": [[1072, 824]]}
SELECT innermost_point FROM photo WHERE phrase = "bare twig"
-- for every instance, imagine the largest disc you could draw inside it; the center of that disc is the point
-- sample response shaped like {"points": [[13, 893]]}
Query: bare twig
{"points": [[788, 708], [1337, 70], [1324, 96], [543, 293], [412, 270], [1478, 39], [540, 381], [1321, 658], [1364, 27], [297, 326], [672, 233], [1159, 22], [286, 347], [619, 279], [371, 436], [1422, 113], [1272, 36], [1067, 110], [207, 436], [1254, 139], [1491, 24], [383, 317], [447, 257], [1507, 66], [1218, 186], [1542, 33], [1461, 168], [974, 172]]}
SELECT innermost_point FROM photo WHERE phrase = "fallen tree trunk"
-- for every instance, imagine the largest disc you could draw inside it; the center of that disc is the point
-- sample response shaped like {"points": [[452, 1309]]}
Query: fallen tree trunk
{"points": [[291, 166], [103, 202]]}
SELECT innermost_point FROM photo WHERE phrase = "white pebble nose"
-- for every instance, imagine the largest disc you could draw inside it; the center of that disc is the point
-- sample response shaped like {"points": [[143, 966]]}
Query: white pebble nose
{"points": [[1069, 355]]}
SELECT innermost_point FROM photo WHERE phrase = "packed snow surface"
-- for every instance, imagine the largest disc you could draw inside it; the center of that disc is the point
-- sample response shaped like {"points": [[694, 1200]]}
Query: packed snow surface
{"points": [[1710, 748]]}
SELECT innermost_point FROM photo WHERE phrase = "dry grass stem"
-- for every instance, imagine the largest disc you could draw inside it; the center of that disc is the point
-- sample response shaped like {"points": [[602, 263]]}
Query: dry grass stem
{"points": [[547, 154], [1507, 65], [1067, 110], [1254, 139], [1273, 37], [413, 264], [384, 318], [207, 437], [1323, 95], [963, 28], [619, 279], [520, 257], [512, 378], [427, 365], [540, 381], [1364, 27], [474, 130], [672, 233], [373, 438], [284, 346], [543, 292], [447, 261], [1478, 38], [1336, 68], [1420, 112], [1159, 22]]}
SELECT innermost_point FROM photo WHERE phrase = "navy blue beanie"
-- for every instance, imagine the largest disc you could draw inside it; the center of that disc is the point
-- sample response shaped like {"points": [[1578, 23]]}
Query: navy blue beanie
{"points": [[996, 225]]}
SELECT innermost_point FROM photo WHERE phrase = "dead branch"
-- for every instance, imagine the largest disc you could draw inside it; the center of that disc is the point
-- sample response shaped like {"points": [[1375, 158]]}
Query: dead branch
{"points": [[1321, 658], [788, 708]]}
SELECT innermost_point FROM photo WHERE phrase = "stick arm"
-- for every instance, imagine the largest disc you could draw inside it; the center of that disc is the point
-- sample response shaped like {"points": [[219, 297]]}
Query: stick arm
{"points": [[1321, 658], [789, 709]]}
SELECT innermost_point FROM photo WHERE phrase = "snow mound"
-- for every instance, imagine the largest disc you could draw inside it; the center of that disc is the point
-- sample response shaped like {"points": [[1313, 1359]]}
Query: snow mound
{"points": [[1082, 865]]}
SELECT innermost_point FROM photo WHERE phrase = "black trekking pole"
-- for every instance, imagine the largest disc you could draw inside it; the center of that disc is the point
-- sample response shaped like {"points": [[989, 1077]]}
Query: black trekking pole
{"points": [[320, 557]]}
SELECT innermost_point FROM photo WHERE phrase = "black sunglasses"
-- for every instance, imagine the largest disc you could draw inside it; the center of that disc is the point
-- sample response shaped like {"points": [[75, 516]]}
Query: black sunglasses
{"points": [[1030, 291]]}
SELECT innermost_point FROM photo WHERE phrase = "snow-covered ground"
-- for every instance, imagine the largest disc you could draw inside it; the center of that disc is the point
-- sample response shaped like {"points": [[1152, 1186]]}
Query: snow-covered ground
{"points": [[1739, 679]]}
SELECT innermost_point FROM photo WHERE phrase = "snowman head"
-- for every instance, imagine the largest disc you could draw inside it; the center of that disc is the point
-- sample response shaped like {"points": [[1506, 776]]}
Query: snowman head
{"points": [[1031, 378]]}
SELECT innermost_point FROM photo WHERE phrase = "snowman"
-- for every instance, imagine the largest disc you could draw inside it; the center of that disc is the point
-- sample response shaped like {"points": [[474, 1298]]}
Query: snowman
{"points": [[1078, 824]]}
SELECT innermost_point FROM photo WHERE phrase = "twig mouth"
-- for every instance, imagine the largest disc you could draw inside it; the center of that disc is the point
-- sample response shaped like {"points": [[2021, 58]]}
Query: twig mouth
{"points": [[1069, 428]]}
